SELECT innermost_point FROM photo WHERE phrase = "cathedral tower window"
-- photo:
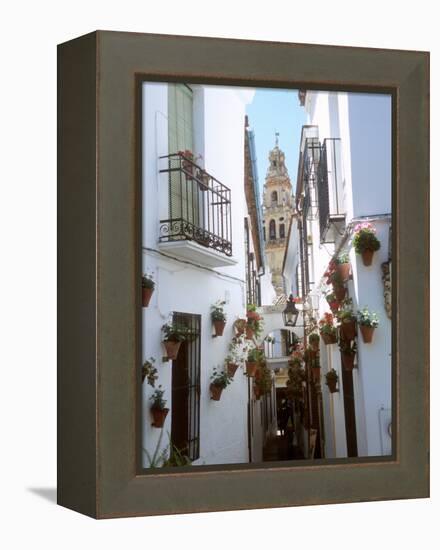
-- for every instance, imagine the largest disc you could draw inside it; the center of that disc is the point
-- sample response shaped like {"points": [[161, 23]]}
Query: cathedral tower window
{"points": [[272, 230]]}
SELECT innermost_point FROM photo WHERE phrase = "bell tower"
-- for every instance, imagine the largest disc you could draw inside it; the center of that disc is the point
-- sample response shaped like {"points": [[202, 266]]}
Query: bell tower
{"points": [[278, 207]]}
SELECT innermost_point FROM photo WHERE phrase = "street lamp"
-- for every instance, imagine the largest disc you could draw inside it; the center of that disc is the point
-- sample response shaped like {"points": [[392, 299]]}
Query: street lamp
{"points": [[290, 313]]}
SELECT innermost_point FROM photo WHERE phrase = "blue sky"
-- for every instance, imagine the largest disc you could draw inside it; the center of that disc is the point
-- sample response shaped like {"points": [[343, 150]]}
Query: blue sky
{"points": [[276, 111]]}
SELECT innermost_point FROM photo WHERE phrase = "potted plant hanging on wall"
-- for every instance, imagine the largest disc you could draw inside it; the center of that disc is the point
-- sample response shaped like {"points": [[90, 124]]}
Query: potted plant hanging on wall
{"points": [[327, 329], [365, 241], [147, 289], [316, 368], [348, 353], [331, 379], [332, 301], [343, 266], [218, 317], [368, 322], [240, 326], [219, 380], [252, 362], [347, 321], [174, 335], [339, 289], [314, 341], [149, 372], [158, 408], [254, 324]]}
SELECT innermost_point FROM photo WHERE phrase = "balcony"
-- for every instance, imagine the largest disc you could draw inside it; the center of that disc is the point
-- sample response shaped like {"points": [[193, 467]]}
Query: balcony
{"points": [[199, 224], [331, 191]]}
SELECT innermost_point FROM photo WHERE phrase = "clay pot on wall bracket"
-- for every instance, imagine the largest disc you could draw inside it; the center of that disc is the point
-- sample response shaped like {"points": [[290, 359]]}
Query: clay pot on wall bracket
{"points": [[329, 338], [257, 393], [146, 296], [314, 344], [332, 386], [251, 368], [367, 333], [249, 333], [159, 416], [216, 392], [232, 367], [344, 271], [316, 372], [348, 329], [172, 348], [348, 360], [219, 327], [367, 257], [339, 292]]}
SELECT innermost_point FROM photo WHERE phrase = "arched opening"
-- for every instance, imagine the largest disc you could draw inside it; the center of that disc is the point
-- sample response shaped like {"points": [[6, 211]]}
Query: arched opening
{"points": [[282, 231], [272, 230], [274, 197]]}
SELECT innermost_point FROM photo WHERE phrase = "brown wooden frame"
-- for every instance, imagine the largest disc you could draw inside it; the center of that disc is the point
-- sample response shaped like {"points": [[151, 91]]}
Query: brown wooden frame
{"points": [[99, 273]]}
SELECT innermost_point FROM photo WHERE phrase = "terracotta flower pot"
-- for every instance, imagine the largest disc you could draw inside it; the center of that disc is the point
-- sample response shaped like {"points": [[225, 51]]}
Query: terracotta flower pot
{"points": [[232, 368], [249, 333], [316, 372], [314, 344], [251, 368], [340, 292], [332, 385], [367, 334], [253, 315], [348, 360], [159, 416], [344, 271], [219, 327], [329, 338], [334, 305], [348, 329], [146, 296], [172, 348], [367, 257], [216, 392], [257, 393]]}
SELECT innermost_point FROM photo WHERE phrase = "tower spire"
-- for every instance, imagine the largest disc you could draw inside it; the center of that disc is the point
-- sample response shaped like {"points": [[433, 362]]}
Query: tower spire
{"points": [[277, 135]]}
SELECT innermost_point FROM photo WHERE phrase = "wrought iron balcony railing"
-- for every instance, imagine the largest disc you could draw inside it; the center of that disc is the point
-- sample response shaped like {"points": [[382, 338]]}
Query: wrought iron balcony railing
{"points": [[330, 189], [199, 206]]}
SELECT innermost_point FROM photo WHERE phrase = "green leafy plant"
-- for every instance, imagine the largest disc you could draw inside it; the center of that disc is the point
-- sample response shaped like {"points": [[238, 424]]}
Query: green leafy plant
{"points": [[220, 378], [331, 376], [149, 371], [367, 318], [148, 281], [336, 279], [253, 355], [313, 338], [343, 259], [345, 313], [175, 332], [217, 311], [348, 347], [264, 381], [365, 238], [157, 400], [254, 320]]}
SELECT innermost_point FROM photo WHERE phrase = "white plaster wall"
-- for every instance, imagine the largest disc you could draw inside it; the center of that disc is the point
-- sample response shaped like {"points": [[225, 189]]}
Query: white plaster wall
{"points": [[373, 376], [363, 122], [370, 147], [219, 136]]}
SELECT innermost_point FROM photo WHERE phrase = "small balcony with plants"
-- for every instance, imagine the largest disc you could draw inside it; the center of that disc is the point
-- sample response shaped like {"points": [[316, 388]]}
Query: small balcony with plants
{"points": [[199, 222]]}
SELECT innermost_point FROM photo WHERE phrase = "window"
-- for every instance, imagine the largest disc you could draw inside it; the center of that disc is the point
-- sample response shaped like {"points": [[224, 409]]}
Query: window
{"points": [[185, 388], [180, 138], [282, 231], [272, 230], [274, 197]]}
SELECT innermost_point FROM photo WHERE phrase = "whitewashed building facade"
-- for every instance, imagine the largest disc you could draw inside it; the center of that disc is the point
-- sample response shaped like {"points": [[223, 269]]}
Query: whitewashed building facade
{"points": [[194, 245], [344, 178]]}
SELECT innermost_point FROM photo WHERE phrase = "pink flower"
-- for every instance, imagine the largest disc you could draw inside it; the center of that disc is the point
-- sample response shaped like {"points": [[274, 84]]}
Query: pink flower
{"points": [[364, 226]]}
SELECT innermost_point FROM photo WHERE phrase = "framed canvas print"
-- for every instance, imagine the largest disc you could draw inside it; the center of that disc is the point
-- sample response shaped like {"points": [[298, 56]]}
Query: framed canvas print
{"points": [[243, 274]]}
